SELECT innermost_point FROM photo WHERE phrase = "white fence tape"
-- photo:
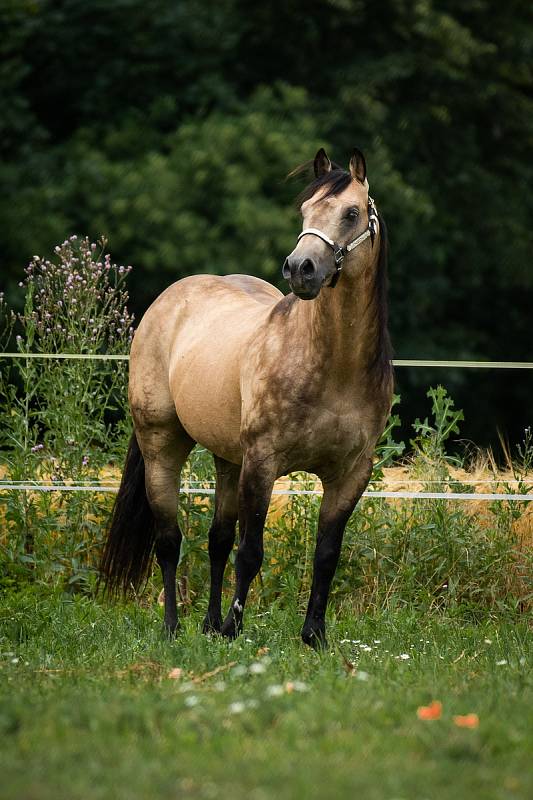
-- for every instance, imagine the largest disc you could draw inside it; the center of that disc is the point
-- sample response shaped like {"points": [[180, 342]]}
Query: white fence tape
{"points": [[397, 362], [69, 487]]}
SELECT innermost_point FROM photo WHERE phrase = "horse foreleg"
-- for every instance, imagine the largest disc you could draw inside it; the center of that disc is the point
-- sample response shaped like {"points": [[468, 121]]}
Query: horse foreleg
{"points": [[338, 502], [255, 490], [221, 537]]}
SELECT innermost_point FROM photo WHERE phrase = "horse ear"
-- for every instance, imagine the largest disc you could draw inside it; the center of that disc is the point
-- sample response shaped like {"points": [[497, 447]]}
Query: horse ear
{"points": [[322, 163], [358, 166]]}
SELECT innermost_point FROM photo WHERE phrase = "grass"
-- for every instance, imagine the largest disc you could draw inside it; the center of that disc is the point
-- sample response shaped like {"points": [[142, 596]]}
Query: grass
{"points": [[88, 710]]}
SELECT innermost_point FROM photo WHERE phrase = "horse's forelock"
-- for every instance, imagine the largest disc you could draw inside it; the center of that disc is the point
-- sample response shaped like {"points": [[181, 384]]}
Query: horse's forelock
{"points": [[333, 182]]}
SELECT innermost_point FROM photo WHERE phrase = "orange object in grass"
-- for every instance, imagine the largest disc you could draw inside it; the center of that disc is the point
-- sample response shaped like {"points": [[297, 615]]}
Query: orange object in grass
{"points": [[433, 711], [467, 721]]}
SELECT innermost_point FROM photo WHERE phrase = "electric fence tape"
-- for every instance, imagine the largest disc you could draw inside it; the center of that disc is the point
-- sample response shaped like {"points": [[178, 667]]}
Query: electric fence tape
{"points": [[397, 362], [70, 487]]}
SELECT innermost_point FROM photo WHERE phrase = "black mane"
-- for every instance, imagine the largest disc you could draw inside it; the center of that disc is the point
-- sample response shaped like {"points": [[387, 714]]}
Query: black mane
{"points": [[335, 182]]}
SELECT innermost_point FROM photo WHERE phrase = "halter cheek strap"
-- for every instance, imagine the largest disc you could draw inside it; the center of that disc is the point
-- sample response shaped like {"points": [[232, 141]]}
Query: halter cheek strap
{"points": [[340, 252]]}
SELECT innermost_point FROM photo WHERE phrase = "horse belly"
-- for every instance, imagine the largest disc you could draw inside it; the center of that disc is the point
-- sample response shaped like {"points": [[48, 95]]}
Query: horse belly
{"points": [[205, 385]]}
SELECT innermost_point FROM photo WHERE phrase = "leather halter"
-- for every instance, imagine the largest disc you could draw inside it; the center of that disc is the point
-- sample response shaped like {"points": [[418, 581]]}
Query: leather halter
{"points": [[340, 252]]}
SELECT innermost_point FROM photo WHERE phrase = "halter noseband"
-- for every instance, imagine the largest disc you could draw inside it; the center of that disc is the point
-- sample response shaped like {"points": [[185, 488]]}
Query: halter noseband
{"points": [[339, 252]]}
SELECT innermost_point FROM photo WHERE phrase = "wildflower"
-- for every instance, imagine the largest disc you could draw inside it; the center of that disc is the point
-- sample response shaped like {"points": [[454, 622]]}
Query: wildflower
{"points": [[257, 668], [361, 675], [295, 686], [466, 721], [175, 673], [274, 691], [191, 701], [236, 708], [433, 711], [404, 656], [37, 447], [501, 663], [85, 461]]}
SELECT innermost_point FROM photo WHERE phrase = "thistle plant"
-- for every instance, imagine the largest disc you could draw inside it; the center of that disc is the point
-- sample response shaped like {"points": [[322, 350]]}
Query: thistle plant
{"points": [[62, 420]]}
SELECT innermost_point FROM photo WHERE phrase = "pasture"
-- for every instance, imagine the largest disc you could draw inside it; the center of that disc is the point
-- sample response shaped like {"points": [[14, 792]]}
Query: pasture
{"points": [[95, 704]]}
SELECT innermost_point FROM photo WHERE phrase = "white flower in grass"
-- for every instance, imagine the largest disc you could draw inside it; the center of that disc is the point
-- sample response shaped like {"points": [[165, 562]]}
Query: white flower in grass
{"points": [[237, 707], [275, 691], [191, 701], [299, 686], [257, 668], [501, 663], [239, 670], [361, 675], [404, 656]]}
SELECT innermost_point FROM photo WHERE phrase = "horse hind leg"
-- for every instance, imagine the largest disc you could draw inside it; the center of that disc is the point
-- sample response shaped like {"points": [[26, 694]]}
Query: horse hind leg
{"points": [[165, 449], [221, 537]]}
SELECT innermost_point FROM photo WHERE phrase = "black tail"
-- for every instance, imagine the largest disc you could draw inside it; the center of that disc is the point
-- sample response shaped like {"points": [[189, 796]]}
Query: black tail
{"points": [[128, 550]]}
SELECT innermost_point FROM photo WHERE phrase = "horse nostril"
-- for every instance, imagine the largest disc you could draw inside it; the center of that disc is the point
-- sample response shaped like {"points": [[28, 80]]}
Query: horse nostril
{"points": [[286, 270], [307, 268]]}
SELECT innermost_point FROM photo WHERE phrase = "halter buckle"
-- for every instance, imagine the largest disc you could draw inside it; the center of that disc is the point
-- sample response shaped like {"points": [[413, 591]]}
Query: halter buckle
{"points": [[338, 255]]}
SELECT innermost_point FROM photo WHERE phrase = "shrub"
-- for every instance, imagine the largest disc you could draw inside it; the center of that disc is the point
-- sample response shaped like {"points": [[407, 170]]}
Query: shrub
{"points": [[62, 420]]}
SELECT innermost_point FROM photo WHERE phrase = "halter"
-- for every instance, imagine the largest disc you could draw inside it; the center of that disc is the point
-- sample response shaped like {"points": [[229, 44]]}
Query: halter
{"points": [[340, 252]]}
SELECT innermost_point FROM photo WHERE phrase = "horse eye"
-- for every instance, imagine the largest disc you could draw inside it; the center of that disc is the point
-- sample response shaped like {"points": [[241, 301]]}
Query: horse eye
{"points": [[352, 215]]}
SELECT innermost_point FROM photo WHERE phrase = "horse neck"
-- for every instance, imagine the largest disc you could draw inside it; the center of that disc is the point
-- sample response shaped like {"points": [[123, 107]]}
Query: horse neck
{"points": [[346, 323]]}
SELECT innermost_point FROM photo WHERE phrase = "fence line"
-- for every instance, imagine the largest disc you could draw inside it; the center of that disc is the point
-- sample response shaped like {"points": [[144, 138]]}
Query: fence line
{"points": [[206, 482], [69, 487], [397, 362], [83, 487]]}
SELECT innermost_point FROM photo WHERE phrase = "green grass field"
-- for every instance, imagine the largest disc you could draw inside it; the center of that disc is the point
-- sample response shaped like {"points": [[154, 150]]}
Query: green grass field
{"points": [[88, 707]]}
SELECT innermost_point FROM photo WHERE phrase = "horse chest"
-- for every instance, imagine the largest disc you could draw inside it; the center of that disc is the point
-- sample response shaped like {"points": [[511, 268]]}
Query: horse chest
{"points": [[328, 433]]}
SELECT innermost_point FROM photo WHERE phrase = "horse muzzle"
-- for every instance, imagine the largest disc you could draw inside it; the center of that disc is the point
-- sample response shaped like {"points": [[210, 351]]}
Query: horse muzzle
{"points": [[303, 276]]}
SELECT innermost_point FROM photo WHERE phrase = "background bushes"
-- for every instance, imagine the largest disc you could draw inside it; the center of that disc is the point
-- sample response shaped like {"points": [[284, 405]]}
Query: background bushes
{"points": [[170, 127]]}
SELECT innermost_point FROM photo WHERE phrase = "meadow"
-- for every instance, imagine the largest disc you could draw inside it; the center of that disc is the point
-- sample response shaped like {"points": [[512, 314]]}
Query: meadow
{"points": [[96, 704], [424, 690]]}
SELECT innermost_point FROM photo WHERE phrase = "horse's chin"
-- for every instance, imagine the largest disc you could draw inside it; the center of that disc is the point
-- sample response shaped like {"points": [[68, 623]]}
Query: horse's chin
{"points": [[307, 294]]}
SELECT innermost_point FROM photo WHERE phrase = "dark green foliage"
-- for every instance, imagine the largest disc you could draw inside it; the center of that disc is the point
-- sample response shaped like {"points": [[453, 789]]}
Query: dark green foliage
{"points": [[150, 122]]}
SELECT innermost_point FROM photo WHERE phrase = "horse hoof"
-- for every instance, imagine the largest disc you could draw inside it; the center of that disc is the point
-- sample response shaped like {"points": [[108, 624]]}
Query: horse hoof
{"points": [[211, 625], [315, 637], [230, 629], [170, 629]]}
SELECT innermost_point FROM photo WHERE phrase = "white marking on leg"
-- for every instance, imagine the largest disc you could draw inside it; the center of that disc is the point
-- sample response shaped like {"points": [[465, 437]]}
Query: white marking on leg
{"points": [[237, 606]]}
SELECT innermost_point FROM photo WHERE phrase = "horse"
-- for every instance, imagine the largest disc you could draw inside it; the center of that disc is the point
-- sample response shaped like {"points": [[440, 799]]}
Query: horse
{"points": [[269, 384]]}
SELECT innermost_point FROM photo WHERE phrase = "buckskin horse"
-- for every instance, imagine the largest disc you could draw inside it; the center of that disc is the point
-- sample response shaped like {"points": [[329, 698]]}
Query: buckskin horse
{"points": [[269, 384]]}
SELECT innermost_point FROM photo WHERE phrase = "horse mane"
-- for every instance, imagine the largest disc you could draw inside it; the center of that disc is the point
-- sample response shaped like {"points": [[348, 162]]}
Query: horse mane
{"points": [[334, 183]]}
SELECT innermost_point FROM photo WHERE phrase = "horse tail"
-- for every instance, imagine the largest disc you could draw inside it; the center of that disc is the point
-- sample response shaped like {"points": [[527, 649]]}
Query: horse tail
{"points": [[128, 550]]}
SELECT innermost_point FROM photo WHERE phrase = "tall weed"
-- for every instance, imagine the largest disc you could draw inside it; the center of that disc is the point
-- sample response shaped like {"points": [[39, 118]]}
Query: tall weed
{"points": [[62, 420]]}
